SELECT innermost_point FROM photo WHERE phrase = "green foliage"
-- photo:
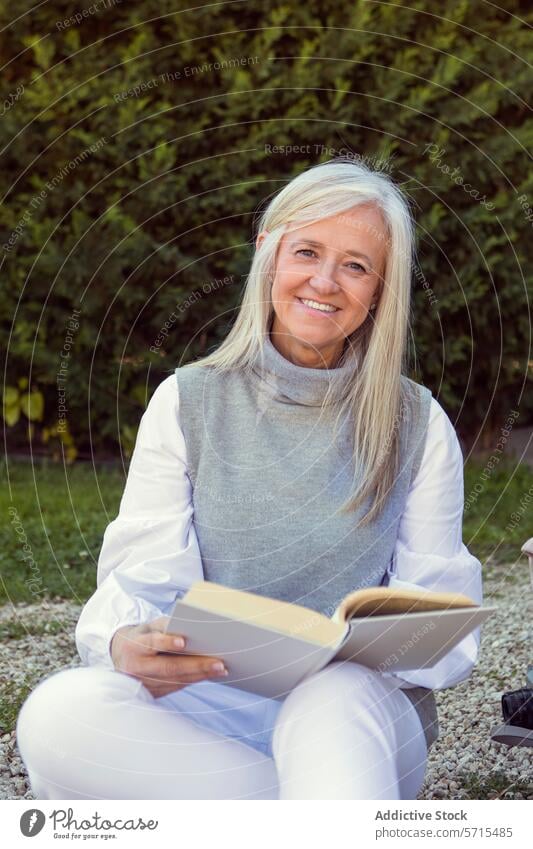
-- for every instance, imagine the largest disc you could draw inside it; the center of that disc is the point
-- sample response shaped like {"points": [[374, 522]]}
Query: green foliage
{"points": [[122, 203], [497, 509], [494, 785], [15, 629], [16, 402]]}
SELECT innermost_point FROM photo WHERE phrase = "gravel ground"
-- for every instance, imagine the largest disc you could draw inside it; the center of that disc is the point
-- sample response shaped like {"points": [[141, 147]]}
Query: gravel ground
{"points": [[463, 764]]}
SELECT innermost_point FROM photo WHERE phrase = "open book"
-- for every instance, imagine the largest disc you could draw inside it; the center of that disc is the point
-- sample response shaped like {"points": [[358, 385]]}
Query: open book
{"points": [[269, 646]]}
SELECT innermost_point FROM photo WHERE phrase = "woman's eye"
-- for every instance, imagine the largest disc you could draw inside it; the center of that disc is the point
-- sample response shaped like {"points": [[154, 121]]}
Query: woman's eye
{"points": [[309, 253]]}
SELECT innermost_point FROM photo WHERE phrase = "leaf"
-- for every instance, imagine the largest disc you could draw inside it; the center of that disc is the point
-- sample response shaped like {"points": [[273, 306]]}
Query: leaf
{"points": [[32, 404], [71, 453], [11, 396], [11, 414], [138, 394]]}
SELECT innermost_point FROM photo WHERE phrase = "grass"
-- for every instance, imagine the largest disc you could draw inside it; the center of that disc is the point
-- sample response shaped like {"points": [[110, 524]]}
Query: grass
{"points": [[60, 516], [498, 504], [54, 522], [496, 785], [12, 697], [15, 629]]}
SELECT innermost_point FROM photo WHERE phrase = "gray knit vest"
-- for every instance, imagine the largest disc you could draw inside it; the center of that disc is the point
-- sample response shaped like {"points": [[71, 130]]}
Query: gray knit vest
{"points": [[268, 479]]}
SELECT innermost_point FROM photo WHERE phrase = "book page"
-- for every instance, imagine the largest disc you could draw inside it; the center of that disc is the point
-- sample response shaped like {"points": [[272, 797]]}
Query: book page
{"points": [[382, 601], [265, 612]]}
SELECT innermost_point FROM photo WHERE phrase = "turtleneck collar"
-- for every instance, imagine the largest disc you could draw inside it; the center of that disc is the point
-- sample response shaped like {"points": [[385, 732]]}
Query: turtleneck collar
{"points": [[291, 384]]}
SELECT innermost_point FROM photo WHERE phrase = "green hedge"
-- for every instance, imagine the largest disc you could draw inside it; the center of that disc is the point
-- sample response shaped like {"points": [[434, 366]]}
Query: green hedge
{"points": [[140, 139]]}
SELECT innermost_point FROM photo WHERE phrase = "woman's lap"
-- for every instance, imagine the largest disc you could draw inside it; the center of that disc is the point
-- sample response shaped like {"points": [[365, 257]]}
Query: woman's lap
{"points": [[229, 711], [223, 737]]}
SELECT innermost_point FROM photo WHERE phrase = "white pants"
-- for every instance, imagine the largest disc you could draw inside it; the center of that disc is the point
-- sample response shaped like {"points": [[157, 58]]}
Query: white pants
{"points": [[344, 733]]}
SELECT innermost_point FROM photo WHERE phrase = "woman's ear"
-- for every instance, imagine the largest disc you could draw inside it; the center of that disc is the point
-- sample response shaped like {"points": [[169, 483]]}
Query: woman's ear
{"points": [[260, 238]]}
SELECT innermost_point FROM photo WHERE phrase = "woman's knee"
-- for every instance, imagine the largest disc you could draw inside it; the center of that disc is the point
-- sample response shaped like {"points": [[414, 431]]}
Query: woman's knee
{"points": [[322, 696], [340, 694], [70, 696]]}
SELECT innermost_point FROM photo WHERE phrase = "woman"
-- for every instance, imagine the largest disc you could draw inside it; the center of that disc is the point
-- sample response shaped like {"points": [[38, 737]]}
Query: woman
{"points": [[296, 462]]}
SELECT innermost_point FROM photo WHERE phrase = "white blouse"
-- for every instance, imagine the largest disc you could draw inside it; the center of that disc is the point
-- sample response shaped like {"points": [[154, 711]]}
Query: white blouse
{"points": [[150, 553]]}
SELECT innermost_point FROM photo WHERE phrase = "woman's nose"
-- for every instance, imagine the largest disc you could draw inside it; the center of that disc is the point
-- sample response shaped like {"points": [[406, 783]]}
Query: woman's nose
{"points": [[324, 281]]}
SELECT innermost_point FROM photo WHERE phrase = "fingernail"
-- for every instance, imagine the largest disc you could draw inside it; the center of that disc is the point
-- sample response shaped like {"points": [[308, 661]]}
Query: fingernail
{"points": [[179, 642], [218, 667]]}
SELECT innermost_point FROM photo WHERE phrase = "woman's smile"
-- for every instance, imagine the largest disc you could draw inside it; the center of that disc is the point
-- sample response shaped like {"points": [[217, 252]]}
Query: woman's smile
{"points": [[316, 309]]}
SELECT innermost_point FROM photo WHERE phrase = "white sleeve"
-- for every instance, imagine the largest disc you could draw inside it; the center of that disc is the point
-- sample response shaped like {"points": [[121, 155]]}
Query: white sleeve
{"points": [[150, 553], [429, 550]]}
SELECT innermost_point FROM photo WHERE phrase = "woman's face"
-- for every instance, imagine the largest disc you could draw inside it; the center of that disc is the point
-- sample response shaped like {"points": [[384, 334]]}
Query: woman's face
{"points": [[338, 263]]}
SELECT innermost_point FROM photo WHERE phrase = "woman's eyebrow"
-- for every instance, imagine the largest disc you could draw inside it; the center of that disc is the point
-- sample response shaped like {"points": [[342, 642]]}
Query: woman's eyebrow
{"points": [[321, 245]]}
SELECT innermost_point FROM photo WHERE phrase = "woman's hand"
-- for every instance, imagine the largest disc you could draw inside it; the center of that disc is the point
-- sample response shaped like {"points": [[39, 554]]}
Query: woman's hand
{"points": [[141, 651]]}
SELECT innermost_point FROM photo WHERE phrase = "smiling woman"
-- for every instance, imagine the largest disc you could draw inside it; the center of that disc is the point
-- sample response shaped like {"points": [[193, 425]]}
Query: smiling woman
{"points": [[341, 235], [296, 462]]}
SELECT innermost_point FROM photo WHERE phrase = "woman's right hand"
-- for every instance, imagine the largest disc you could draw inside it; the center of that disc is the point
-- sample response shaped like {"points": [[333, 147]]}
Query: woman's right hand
{"points": [[148, 653]]}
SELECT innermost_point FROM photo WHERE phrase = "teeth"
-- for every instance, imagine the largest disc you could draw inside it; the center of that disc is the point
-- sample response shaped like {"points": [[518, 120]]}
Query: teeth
{"points": [[317, 306]]}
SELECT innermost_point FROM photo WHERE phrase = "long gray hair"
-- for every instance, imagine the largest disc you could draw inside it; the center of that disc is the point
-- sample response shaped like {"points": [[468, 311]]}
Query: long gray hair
{"points": [[378, 394]]}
